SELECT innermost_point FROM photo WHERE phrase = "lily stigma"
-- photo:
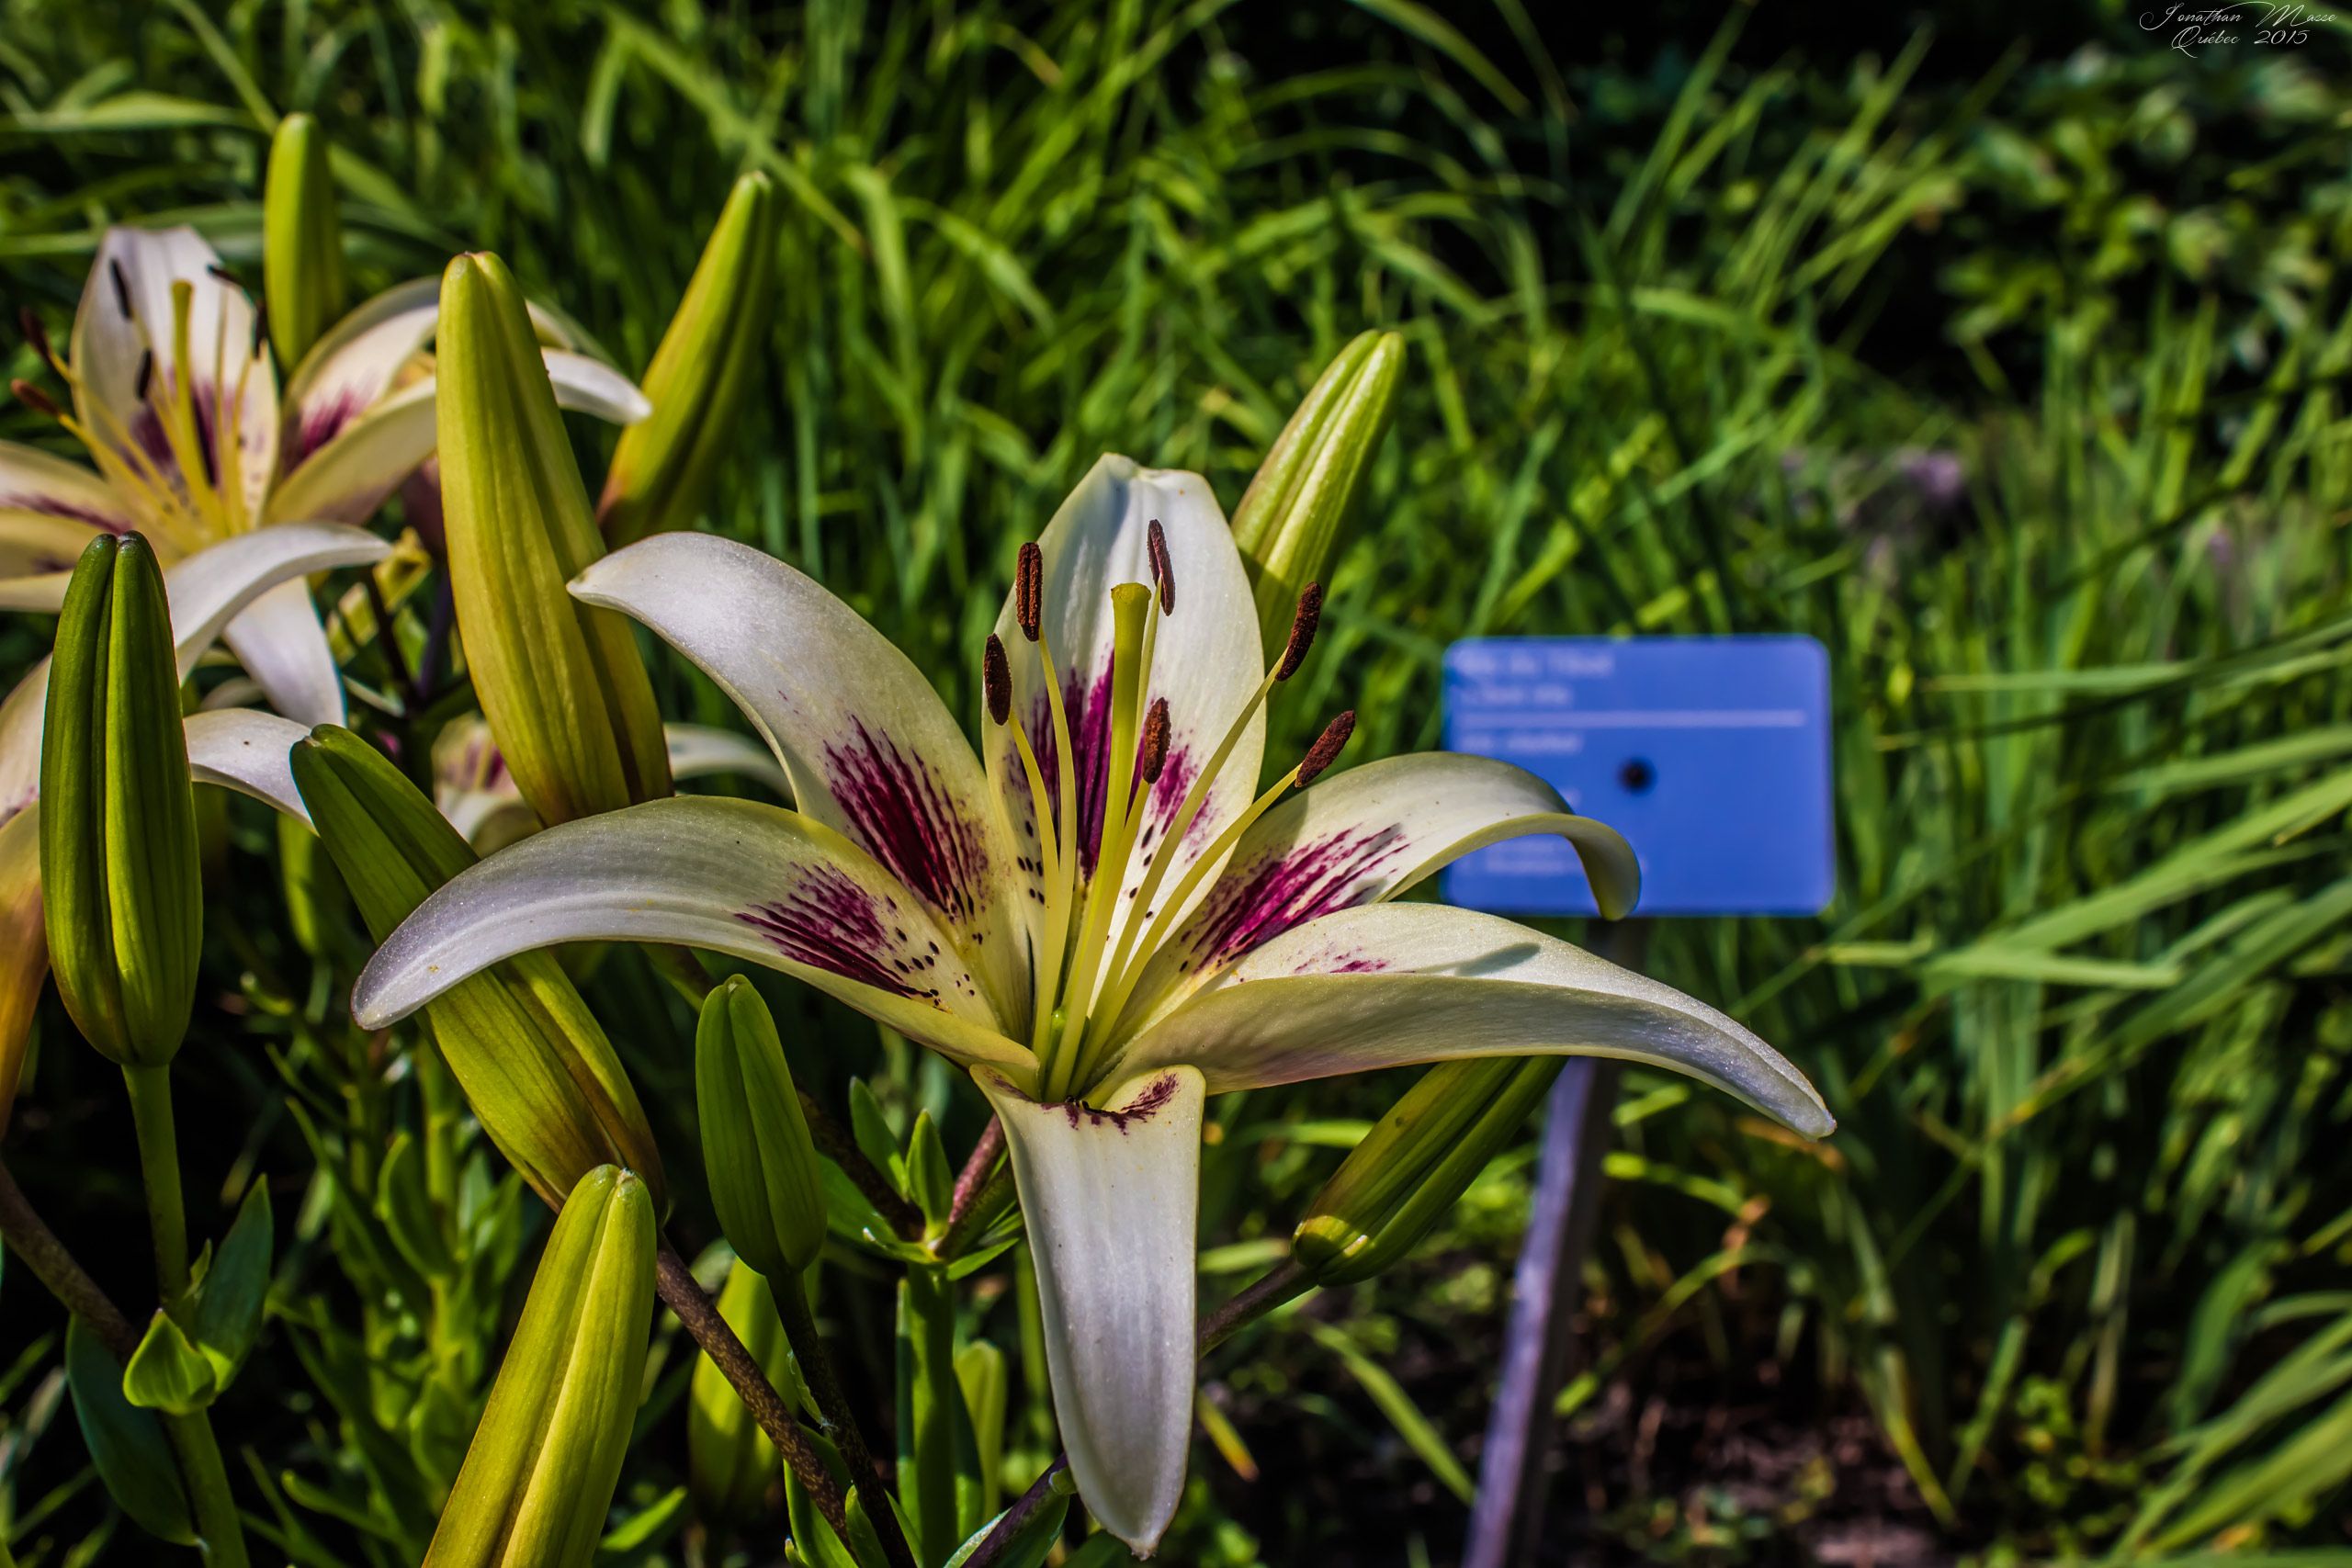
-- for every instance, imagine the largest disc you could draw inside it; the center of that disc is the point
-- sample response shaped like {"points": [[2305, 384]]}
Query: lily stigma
{"points": [[174, 396], [1101, 915]]}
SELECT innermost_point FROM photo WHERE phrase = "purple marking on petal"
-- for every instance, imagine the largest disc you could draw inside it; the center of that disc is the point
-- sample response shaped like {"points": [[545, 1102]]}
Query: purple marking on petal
{"points": [[148, 435], [1252, 905], [51, 506], [1087, 704], [830, 922], [323, 418], [898, 813], [1143, 1107]]}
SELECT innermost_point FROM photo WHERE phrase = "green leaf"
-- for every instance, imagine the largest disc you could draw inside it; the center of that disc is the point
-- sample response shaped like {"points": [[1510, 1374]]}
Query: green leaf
{"points": [[167, 1373], [928, 1172], [1036, 1539], [406, 1208], [127, 1444], [229, 1302], [871, 1130], [1403, 1414]]}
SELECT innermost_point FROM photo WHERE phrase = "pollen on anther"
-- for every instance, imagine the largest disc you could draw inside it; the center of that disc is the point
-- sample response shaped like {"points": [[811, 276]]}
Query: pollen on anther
{"points": [[36, 336], [1302, 632], [121, 288], [1156, 728], [146, 373], [33, 398], [1327, 748], [996, 680], [1029, 590], [1163, 569]]}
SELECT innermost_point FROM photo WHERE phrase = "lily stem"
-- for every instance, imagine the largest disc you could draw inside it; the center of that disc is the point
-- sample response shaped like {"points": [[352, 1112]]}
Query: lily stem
{"points": [[816, 1368], [1284, 1281], [834, 1141], [30, 1240], [675, 1284], [191, 1435]]}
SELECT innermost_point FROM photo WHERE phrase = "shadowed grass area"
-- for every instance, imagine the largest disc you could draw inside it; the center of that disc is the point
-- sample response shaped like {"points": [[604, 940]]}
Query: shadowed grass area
{"points": [[2023, 392]]}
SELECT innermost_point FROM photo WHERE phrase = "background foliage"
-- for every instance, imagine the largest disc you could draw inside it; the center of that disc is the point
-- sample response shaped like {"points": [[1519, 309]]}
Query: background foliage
{"points": [[2010, 365]]}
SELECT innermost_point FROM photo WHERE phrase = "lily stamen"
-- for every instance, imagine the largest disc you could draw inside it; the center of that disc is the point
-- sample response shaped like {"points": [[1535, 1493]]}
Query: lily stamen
{"points": [[996, 680]]}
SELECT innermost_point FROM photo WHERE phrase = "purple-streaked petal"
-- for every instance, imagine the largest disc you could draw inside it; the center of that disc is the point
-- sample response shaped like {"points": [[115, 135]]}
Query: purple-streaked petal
{"points": [[280, 641], [752, 881], [1389, 985], [126, 315], [246, 750], [868, 746], [1110, 1197], [1206, 661], [1363, 836], [37, 485], [350, 369]]}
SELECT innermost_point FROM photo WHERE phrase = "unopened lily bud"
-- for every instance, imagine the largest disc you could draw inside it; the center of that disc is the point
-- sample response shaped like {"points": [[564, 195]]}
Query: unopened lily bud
{"points": [[766, 1182], [1288, 522], [561, 682], [539, 1474], [120, 878], [301, 240], [731, 1463], [702, 371], [531, 1059], [1412, 1166]]}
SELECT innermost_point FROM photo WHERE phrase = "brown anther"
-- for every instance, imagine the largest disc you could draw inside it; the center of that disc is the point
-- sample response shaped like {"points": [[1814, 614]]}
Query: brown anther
{"points": [[36, 336], [1327, 748], [121, 288], [1029, 590], [33, 398], [1302, 632], [996, 680], [1156, 726], [260, 329], [1163, 569], [224, 274], [146, 373]]}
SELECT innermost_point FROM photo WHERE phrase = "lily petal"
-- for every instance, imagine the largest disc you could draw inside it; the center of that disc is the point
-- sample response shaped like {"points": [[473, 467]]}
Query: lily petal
{"points": [[126, 314], [1206, 660], [1363, 835], [366, 457], [211, 588], [246, 750], [280, 641], [41, 482], [698, 750], [1393, 984], [24, 946], [1110, 1199], [735, 876], [22, 721], [349, 370], [869, 748]]}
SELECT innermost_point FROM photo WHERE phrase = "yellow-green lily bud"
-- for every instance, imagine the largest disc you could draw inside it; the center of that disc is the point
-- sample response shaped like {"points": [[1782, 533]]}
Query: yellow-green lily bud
{"points": [[731, 1463], [301, 240], [764, 1180], [1289, 518], [1413, 1166], [120, 880], [532, 1060], [562, 683], [539, 1474], [662, 468]]}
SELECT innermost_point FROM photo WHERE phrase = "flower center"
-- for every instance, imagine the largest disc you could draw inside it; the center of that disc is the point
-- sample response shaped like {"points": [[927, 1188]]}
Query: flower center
{"points": [[1088, 962]]}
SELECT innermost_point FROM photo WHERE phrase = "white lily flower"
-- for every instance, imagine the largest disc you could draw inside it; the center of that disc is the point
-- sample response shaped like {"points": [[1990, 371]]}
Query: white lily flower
{"points": [[176, 399], [1240, 939], [234, 747]]}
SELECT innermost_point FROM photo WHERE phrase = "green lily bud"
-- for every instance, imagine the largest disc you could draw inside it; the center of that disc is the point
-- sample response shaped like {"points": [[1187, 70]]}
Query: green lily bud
{"points": [[764, 1180], [120, 881], [1414, 1165], [731, 1463], [531, 1059], [700, 375], [1289, 518], [301, 240], [539, 1474], [562, 683]]}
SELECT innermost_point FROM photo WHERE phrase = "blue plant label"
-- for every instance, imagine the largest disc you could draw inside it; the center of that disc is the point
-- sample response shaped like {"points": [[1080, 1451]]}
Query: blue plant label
{"points": [[1710, 754]]}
